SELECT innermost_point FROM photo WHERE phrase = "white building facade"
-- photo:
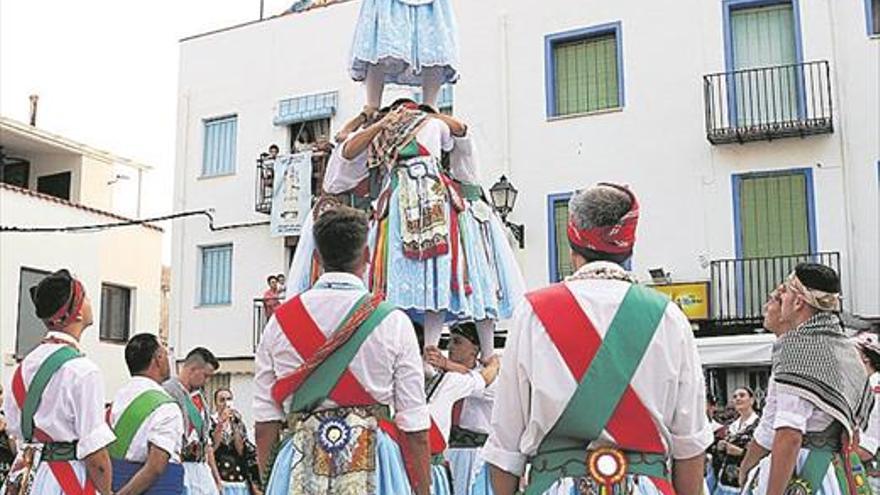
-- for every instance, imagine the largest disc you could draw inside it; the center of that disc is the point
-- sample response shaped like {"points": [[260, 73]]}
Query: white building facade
{"points": [[748, 129], [50, 181]]}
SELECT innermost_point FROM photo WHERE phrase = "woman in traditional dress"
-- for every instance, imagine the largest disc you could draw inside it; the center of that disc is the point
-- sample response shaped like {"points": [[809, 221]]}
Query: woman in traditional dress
{"points": [[730, 451], [236, 459]]}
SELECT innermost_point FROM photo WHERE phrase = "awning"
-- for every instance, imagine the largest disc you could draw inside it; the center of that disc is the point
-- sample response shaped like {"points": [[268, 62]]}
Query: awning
{"points": [[303, 108], [736, 350]]}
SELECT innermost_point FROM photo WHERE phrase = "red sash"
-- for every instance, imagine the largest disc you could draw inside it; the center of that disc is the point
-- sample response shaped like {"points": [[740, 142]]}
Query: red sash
{"points": [[631, 425], [62, 470], [306, 338]]}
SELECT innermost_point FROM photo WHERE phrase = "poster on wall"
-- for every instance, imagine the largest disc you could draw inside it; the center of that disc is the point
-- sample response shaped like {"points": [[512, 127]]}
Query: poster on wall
{"points": [[691, 297], [291, 193]]}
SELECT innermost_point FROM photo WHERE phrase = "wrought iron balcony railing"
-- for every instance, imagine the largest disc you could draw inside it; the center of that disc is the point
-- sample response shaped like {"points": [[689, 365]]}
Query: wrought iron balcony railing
{"points": [[262, 311], [740, 287], [768, 103]]}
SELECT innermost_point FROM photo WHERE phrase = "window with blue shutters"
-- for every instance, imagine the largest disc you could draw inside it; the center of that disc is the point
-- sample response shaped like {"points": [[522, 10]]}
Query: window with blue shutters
{"points": [[216, 282], [218, 157]]}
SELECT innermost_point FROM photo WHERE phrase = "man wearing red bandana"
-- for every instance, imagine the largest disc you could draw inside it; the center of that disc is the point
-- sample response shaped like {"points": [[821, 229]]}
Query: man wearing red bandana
{"points": [[601, 388], [57, 402]]}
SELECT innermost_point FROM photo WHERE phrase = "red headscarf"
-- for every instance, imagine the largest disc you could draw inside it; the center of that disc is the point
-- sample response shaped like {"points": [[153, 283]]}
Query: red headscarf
{"points": [[612, 239]]}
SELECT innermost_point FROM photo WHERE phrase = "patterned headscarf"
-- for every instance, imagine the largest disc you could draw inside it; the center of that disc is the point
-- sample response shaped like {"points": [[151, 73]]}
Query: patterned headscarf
{"points": [[612, 239], [817, 298]]}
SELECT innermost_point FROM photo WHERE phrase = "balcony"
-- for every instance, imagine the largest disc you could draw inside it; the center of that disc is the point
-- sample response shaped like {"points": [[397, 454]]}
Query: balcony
{"points": [[261, 317], [739, 288], [265, 177], [768, 103]]}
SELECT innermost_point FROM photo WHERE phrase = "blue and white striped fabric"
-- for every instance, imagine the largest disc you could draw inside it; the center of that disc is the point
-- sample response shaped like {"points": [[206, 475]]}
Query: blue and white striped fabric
{"points": [[390, 476], [440, 480], [236, 488], [470, 473]]}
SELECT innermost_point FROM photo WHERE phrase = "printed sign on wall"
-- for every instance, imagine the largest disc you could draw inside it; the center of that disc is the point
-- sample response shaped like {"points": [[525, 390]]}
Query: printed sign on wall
{"points": [[291, 193]]}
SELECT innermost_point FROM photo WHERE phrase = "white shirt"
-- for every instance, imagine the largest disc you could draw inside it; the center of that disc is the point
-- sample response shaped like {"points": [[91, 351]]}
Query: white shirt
{"points": [[784, 410], [72, 405], [343, 175], [738, 424], [870, 438], [463, 161], [162, 428], [476, 413], [388, 364], [535, 385], [452, 387]]}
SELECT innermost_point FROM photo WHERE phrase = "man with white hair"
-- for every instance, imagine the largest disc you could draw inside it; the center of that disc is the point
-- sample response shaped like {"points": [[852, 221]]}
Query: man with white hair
{"points": [[601, 388], [818, 396]]}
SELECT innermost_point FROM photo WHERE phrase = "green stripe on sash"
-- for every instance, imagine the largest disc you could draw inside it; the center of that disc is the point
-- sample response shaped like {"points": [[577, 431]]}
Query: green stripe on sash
{"points": [[195, 416], [317, 387], [815, 467], [609, 374], [133, 417], [38, 385]]}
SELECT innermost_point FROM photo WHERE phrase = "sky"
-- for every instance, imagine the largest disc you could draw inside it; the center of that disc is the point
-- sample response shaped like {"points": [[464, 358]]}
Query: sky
{"points": [[106, 73]]}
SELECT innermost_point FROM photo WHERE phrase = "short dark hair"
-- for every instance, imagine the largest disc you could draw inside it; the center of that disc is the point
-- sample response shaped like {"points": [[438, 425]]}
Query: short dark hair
{"points": [[340, 236], [270, 278], [274, 146], [202, 356], [140, 351], [52, 293]]}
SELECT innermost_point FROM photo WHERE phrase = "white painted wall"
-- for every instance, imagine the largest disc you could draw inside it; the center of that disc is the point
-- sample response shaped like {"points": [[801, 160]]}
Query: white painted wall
{"points": [[130, 257], [656, 143]]}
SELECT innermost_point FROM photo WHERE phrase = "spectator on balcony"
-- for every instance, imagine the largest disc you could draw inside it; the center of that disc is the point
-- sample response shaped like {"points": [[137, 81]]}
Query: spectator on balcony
{"points": [[731, 449], [273, 151], [282, 288], [272, 297]]}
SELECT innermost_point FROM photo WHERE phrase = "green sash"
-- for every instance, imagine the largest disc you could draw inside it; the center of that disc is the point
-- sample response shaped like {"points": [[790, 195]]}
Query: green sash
{"points": [[133, 417], [601, 388], [195, 416], [38, 385], [318, 385]]}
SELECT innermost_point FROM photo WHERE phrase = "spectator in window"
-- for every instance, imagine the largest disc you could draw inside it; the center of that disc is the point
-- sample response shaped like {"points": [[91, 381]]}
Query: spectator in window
{"points": [[282, 287], [235, 455], [272, 296], [730, 451], [7, 445]]}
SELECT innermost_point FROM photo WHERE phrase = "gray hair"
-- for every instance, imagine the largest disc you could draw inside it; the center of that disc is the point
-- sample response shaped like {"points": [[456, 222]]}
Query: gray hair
{"points": [[598, 206]]}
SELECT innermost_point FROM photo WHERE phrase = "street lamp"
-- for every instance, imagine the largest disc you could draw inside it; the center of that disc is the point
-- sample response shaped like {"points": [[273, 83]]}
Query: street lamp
{"points": [[503, 196]]}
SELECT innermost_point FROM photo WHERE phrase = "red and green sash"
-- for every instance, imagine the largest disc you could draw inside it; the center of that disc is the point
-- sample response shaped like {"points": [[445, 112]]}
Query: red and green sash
{"points": [[133, 417], [325, 373], [603, 369], [28, 400]]}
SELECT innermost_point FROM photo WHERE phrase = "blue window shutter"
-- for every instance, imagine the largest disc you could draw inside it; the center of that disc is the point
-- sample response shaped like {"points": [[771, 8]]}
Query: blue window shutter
{"points": [[216, 283], [220, 146]]}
